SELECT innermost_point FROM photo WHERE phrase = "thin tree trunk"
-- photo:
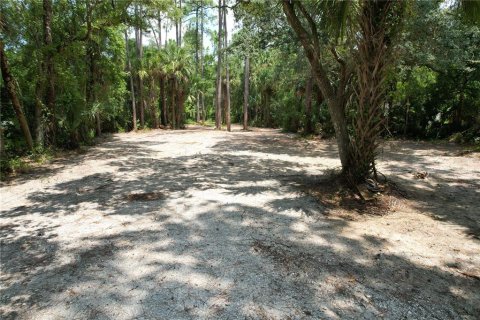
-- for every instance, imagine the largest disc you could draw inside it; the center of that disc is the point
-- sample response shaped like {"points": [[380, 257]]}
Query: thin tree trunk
{"points": [[132, 90], [177, 38], [156, 39], [159, 29], [246, 88], [39, 129], [198, 108], [458, 114], [180, 25], [407, 110], [202, 97], [91, 67], [152, 104], [218, 109], [308, 106], [197, 61], [227, 72], [12, 92], [173, 94], [2, 136], [166, 34], [181, 107], [224, 102], [202, 107], [2, 143], [164, 101], [139, 39], [140, 84], [98, 124], [266, 108], [50, 72]]}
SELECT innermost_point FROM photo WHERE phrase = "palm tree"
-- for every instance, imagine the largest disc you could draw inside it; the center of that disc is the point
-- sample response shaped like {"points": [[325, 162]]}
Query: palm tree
{"points": [[364, 33], [177, 67]]}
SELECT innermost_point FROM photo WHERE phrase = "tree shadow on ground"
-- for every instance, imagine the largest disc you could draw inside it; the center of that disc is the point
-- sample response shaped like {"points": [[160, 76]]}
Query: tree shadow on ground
{"points": [[232, 238], [449, 195]]}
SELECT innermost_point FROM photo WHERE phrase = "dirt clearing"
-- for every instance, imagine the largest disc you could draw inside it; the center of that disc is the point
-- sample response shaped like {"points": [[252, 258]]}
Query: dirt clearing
{"points": [[200, 224]]}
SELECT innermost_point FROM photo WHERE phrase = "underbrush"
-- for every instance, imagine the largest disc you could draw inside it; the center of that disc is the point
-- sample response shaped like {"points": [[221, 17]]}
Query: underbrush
{"points": [[11, 165]]}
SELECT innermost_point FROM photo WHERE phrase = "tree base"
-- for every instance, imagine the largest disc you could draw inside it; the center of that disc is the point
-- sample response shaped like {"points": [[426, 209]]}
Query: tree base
{"points": [[340, 199]]}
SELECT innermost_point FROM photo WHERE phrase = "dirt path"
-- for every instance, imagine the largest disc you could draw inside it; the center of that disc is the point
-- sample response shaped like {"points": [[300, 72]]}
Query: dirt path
{"points": [[226, 232]]}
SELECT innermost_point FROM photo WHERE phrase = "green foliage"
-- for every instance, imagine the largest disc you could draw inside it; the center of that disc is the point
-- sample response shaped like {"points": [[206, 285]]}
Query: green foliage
{"points": [[437, 80], [432, 92]]}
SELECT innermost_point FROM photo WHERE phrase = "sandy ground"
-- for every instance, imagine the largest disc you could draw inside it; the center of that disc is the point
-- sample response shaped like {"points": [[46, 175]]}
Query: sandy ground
{"points": [[228, 233]]}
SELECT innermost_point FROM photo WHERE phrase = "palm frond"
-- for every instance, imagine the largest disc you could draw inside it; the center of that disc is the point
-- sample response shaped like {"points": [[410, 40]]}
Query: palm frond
{"points": [[334, 16]]}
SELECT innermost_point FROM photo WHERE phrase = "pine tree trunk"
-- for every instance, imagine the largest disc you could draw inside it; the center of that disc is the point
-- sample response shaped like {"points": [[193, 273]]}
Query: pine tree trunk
{"points": [[12, 92], [202, 97], [166, 34], [218, 109], [246, 88], [224, 102], [177, 38], [159, 30], [227, 73], [197, 61], [180, 25]]}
